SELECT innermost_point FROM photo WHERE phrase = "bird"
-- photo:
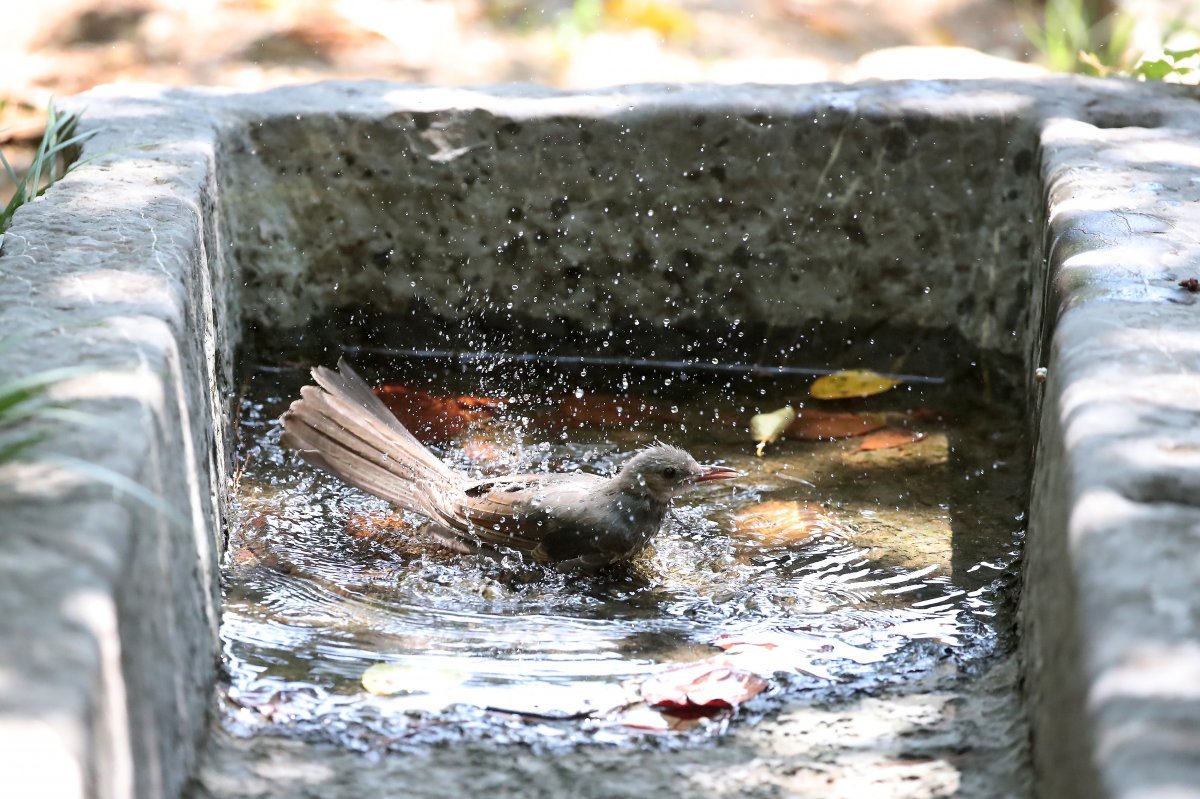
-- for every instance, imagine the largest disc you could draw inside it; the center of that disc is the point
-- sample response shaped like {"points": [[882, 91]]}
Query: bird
{"points": [[568, 520]]}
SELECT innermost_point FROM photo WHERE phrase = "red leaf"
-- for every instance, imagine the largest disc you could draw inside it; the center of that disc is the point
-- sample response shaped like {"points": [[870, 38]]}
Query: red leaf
{"points": [[814, 425], [602, 410], [641, 717], [890, 437], [434, 419], [698, 688], [369, 525]]}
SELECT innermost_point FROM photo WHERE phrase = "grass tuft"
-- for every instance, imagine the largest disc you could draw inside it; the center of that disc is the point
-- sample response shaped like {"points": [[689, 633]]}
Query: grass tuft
{"points": [[49, 162]]}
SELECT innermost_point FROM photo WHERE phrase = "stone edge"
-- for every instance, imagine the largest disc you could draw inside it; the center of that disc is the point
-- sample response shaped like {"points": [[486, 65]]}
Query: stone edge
{"points": [[1111, 605], [1109, 608], [108, 627]]}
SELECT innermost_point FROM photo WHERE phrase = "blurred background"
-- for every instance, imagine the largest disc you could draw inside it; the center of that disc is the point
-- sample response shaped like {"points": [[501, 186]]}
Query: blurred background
{"points": [[61, 47]]}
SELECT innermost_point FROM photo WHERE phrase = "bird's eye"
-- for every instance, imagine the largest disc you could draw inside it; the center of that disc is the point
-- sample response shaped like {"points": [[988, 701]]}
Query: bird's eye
{"points": [[670, 472]]}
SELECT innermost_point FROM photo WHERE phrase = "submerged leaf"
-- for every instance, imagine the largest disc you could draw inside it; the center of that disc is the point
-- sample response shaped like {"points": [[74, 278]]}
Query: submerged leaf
{"points": [[603, 411], [713, 683], [766, 427], [890, 437], [369, 525], [643, 717], [433, 419], [814, 425], [385, 679], [779, 523], [852, 383], [771, 651]]}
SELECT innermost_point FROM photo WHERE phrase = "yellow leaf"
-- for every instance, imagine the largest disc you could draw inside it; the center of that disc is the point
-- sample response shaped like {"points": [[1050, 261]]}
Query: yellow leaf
{"points": [[851, 383], [766, 427], [385, 679]]}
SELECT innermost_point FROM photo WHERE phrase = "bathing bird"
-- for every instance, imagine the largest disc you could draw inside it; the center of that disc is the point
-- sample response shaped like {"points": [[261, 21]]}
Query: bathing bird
{"points": [[572, 520]]}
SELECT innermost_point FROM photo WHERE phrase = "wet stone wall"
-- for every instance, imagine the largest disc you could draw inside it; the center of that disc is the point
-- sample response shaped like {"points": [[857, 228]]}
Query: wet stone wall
{"points": [[796, 221]]}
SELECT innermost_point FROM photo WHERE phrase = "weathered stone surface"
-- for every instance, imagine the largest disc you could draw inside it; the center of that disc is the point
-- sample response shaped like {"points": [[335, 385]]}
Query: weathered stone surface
{"points": [[892, 205], [1112, 583], [109, 603], [911, 206]]}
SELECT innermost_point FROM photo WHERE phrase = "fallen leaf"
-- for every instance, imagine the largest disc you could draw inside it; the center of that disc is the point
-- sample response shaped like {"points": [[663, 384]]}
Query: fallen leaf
{"points": [[386, 679], [815, 425], [779, 523], [890, 437], [851, 383], [766, 427], [490, 456], [707, 685], [643, 717], [245, 555], [369, 525], [767, 652], [434, 419], [603, 411]]}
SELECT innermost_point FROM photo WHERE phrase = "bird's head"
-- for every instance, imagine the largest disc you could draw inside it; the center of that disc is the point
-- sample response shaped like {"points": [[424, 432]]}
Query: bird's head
{"points": [[663, 472]]}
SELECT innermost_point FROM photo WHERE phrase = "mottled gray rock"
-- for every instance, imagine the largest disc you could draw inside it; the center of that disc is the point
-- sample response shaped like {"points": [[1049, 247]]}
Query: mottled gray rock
{"points": [[109, 603], [916, 214]]}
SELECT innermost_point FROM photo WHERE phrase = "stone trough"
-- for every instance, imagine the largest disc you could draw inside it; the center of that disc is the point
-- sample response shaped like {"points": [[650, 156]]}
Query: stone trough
{"points": [[1047, 224]]}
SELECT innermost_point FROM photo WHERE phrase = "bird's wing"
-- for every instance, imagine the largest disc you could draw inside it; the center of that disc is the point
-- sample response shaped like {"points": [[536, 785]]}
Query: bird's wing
{"points": [[521, 511]]}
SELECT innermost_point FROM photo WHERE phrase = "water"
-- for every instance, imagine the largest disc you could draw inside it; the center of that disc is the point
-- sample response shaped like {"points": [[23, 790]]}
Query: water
{"points": [[903, 567]]}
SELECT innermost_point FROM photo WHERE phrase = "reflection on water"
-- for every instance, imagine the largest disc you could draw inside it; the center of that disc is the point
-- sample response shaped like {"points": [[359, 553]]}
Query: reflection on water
{"points": [[903, 571]]}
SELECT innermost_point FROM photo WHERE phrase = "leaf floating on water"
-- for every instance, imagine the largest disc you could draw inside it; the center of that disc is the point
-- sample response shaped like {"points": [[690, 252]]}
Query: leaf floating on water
{"points": [[889, 438], [815, 425], [766, 427], [706, 686], [851, 383], [779, 523]]}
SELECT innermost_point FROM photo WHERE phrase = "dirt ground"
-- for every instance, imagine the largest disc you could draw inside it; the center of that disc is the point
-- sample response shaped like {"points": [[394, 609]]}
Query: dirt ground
{"points": [[61, 47]]}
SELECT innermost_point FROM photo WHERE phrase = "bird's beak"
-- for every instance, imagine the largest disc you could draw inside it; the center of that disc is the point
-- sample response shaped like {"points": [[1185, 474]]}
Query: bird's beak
{"points": [[716, 473]]}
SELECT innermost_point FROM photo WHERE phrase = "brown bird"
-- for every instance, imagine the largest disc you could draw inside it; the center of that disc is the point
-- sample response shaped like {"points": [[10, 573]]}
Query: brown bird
{"points": [[582, 520]]}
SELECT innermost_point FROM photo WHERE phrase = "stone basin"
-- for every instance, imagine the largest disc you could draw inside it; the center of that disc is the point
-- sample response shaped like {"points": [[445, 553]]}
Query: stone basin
{"points": [[1046, 224]]}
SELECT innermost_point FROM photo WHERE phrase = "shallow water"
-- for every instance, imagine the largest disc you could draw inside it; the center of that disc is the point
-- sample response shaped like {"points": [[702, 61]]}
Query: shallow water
{"points": [[907, 566]]}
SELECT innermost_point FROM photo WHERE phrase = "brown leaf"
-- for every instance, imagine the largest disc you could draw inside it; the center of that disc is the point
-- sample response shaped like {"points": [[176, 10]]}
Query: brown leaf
{"points": [[779, 523], [815, 425], [602, 410], [370, 525], [706, 685], [434, 419], [889, 438]]}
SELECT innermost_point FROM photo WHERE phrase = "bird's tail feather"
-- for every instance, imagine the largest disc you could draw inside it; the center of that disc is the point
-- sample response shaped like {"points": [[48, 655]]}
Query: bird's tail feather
{"points": [[340, 426]]}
